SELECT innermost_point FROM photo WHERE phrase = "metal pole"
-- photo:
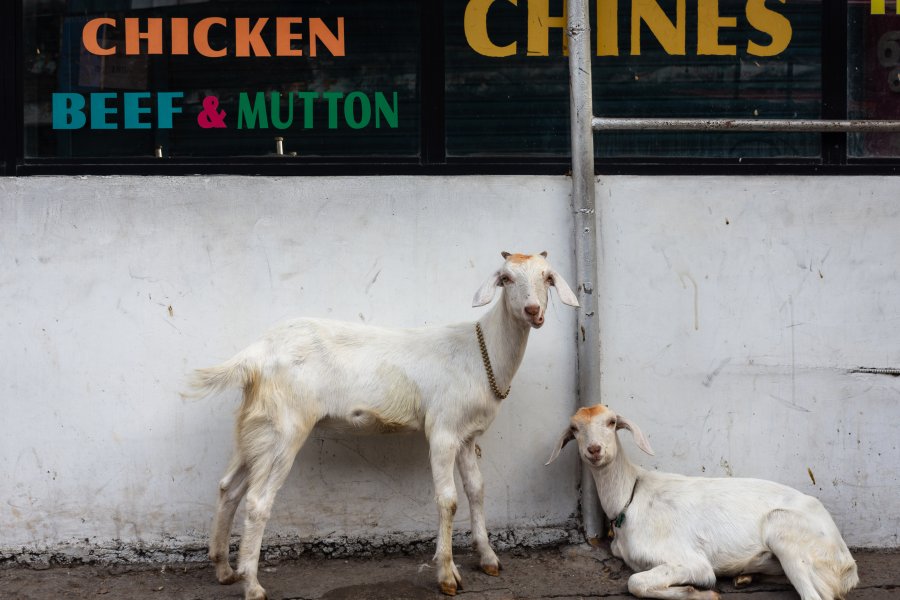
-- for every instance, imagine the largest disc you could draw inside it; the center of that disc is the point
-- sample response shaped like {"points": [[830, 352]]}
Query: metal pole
{"points": [[588, 334], [815, 125]]}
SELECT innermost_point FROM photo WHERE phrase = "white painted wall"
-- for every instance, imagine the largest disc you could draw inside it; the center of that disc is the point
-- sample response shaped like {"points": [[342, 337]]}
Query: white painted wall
{"points": [[731, 310], [112, 289]]}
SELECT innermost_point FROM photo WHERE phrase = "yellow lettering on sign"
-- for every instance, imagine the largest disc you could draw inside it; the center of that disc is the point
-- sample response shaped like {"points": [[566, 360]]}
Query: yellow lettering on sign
{"points": [[777, 26], [475, 26], [607, 27], [877, 7], [539, 24], [671, 36], [669, 30], [708, 24]]}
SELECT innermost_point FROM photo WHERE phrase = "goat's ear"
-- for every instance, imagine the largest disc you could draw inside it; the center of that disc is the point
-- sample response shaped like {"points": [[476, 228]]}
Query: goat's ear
{"points": [[564, 439], [639, 438], [563, 289], [486, 292]]}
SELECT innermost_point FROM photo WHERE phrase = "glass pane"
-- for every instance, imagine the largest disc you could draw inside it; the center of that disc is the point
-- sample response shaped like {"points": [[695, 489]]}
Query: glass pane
{"points": [[195, 78], [873, 59], [507, 77]]}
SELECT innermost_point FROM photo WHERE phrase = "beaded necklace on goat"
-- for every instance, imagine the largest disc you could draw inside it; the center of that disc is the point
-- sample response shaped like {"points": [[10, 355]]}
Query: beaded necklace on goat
{"points": [[487, 365]]}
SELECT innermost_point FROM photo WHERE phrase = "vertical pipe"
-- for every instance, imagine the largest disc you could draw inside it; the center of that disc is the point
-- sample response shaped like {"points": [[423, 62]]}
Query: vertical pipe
{"points": [[588, 345]]}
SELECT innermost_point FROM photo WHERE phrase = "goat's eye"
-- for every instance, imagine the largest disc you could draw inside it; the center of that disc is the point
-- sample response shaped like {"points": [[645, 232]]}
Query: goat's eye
{"points": [[611, 423], [573, 429], [504, 279]]}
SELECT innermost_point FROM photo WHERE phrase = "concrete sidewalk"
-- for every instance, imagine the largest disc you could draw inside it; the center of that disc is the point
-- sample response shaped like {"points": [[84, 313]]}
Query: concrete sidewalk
{"points": [[563, 573]]}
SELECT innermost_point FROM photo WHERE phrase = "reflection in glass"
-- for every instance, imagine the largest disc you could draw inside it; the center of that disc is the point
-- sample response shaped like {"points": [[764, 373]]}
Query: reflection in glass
{"points": [[648, 62], [873, 61]]}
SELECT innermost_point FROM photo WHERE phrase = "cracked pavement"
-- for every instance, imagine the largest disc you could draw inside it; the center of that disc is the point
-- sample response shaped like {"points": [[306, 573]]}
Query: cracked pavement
{"points": [[561, 573]]}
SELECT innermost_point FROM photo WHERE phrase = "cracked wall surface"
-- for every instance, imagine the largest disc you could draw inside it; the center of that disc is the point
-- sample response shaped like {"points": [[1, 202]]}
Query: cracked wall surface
{"points": [[743, 321], [114, 288]]}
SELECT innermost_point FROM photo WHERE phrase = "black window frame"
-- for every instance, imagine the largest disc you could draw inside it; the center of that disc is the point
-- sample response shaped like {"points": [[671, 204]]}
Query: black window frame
{"points": [[433, 160]]}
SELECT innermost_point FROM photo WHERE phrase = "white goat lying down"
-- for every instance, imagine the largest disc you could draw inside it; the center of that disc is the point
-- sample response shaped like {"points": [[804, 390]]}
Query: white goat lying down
{"points": [[444, 381], [677, 532]]}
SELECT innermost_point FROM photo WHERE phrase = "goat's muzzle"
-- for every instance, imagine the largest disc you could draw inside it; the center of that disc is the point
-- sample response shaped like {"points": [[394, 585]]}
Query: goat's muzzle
{"points": [[593, 454], [535, 314]]}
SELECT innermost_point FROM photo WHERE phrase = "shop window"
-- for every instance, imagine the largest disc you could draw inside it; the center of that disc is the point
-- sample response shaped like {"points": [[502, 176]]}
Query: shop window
{"points": [[436, 85], [119, 78], [874, 74], [507, 75]]}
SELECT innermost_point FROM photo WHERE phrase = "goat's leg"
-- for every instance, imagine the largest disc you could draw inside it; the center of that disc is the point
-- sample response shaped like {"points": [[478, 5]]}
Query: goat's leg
{"points": [[443, 453], [806, 555], [473, 484], [268, 468], [799, 571], [669, 583], [231, 490]]}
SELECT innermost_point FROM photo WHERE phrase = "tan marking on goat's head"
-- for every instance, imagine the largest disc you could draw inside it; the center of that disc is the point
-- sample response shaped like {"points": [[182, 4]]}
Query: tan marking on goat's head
{"points": [[519, 258], [594, 428], [526, 280], [597, 426], [586, 414]]}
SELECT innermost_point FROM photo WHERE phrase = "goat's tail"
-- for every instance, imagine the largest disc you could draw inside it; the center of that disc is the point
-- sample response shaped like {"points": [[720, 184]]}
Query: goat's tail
{"points": [[833, 578], [234, 373], [849, 578]]}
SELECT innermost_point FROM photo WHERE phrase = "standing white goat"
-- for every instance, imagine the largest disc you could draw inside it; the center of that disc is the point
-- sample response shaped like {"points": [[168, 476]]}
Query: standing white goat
{"points": [[443, 380], [678, 532]]}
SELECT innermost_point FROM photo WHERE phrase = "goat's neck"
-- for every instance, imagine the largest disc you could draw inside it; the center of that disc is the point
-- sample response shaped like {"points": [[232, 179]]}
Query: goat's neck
{"points": [[615, 482], [505, 337]]}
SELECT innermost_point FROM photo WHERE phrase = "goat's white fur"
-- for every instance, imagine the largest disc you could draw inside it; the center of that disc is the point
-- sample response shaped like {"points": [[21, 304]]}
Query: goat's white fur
{"points": [[311, 372], [681, 532]]}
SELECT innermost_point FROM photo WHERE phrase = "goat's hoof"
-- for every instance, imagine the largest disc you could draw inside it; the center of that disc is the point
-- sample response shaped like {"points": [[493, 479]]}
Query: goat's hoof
{"points": [[490, 564], [451, 584], [693, 593], [258, 594], [227, 576], [448, 589], [743, 581], [449, 578]]}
